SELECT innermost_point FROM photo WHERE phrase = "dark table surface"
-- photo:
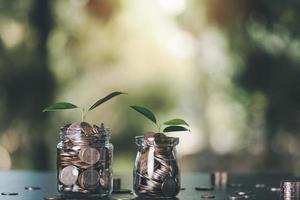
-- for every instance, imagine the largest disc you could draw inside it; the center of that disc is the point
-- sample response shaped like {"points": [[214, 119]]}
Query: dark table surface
{"points": [[16, 181]]}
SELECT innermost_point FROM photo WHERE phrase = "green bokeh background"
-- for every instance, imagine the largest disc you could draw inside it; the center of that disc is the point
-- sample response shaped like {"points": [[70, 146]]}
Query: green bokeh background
{"points": [[230, 68]]}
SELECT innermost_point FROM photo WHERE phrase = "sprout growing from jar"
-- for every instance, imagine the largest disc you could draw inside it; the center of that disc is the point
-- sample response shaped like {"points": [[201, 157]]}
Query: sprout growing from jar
{"points": [[66, 105], [172, 125]]}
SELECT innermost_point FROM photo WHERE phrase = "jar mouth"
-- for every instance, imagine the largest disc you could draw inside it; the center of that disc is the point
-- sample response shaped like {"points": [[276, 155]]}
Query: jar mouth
{"points": [[105, 131], [78, 134], [151, 141]]}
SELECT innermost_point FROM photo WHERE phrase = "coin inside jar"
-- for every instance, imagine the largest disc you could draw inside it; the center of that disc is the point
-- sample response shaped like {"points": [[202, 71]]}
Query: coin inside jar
{"points": [[68, 175], [89, 155], [104, 180], [86, 128], [89, 179], [169, 187]]}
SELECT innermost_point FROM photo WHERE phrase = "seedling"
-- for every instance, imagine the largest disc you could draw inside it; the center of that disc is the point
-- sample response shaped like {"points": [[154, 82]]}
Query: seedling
{"points": [[172, 125], [66, 105]]}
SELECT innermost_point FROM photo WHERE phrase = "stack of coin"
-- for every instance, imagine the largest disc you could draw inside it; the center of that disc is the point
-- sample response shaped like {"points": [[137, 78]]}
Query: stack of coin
{"points": [[219, 179], [290, 189], [84, 159], [156, 172]]}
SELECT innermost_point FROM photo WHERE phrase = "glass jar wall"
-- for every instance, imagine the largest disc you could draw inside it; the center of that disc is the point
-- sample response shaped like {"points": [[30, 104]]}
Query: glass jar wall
{"points": [[84, 160], [156, 173]]}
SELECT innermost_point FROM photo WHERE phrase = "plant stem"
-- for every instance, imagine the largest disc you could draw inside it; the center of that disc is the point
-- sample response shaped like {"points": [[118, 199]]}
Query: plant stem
{"points": [[158, 127], [82, 114]]}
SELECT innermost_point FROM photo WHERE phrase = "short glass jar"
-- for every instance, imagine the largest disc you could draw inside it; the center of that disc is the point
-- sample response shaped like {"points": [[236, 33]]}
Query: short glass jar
{"points": [[84, 160], [156, 173]]}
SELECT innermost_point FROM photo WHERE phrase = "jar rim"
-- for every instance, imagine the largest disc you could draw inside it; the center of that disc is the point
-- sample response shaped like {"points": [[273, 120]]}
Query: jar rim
{"points": [[150, 141], [77, 135], [64, 128]]}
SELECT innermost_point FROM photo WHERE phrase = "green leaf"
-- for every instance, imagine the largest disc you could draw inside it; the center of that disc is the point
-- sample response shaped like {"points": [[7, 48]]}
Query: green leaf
{"points": [[60, 106], [108, 97], [146, 112], [176, 121], [175, 128]]}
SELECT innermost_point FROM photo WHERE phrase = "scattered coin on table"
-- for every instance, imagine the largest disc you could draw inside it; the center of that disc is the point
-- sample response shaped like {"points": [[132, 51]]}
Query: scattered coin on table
{"points": [[32, 188], [260, 185], [207, 196], [204, 188], [9, 193]]}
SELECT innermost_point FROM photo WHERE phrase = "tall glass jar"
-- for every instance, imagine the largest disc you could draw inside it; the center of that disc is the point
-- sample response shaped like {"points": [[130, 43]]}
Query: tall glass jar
{"points": [[84, 160], [156, 173]]}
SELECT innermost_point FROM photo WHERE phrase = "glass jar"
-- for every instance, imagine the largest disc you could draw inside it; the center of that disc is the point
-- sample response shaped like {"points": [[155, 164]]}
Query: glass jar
{"points": [[84, 160], [156, 173]]}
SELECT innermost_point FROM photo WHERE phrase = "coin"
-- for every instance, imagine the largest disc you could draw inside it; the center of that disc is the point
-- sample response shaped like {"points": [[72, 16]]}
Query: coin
{"points": [[149, 134], [244, 193], [74, 128], [144, 161], [235, 197], [32, 188], [116, 183], [274, 189], [290, 188], [159, 138], [169, 187], [204, 188], [207, 196], [68, 175], [86, 128], [105, 180], [52, 198], [260, 185], [89, 155], [89, 179], [9, 193], [235, 185], [122, 191]]}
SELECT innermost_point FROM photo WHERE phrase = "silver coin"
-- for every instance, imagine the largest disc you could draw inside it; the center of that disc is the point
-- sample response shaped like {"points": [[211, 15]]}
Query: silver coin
{"points": [[290, 188], [89, 155], [68, 175], [274, 189], [89, 179], [260, 185], [32, 188], [235, 197], [169, 187], [243, 193]]}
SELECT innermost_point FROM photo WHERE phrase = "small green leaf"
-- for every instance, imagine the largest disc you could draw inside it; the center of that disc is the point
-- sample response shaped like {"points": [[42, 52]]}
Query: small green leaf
{"points": [[108, 97], [176, 121], [60, 106], [175, 128], [146, 112]]}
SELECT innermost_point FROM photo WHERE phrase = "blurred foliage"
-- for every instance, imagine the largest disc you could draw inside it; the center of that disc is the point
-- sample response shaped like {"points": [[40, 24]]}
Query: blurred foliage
{"points": [[230, 68], [265, 35]]}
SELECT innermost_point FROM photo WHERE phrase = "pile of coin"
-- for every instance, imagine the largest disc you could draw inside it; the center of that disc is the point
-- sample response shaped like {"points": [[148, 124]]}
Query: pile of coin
{"points": [[156, 171], [290, 189], [84, 159]]}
